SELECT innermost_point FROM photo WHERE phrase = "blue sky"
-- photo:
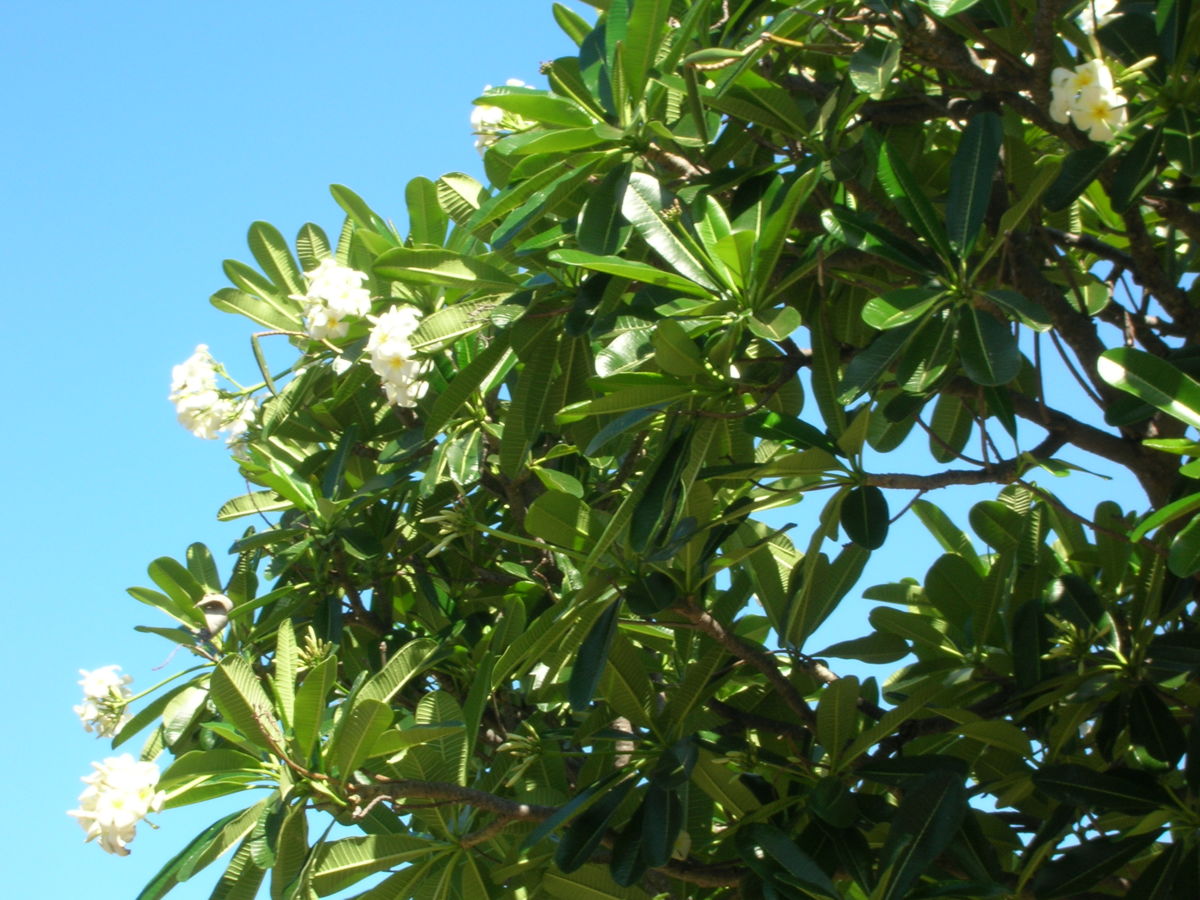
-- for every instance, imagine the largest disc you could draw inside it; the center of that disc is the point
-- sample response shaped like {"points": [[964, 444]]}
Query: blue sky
{"points": [[142, 141]]}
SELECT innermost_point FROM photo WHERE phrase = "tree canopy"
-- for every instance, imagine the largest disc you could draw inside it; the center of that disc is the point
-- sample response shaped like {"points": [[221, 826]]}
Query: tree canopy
{"points": [[508, 618]]}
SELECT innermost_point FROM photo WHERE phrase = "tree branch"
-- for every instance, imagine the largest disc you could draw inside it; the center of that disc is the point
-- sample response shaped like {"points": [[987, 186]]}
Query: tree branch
{"points": [[751, 654], [1001, 473]]}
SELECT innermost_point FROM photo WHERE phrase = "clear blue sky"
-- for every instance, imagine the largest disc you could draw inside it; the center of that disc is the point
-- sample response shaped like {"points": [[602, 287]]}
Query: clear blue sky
{"points": [[141, 141]]}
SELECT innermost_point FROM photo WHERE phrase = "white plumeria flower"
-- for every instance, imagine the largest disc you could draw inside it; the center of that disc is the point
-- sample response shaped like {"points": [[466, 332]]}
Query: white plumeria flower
{"points": [[335, 294], [1093, 73], [195, 374], [200, 407], [119, 794], [1099, 113], [105, 698], [393, 358], [1087, 96], [1096, 15]]}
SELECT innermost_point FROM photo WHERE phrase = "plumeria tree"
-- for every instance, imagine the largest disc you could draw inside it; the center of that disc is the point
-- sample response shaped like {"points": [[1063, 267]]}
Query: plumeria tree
{"points": [[511, 615]]}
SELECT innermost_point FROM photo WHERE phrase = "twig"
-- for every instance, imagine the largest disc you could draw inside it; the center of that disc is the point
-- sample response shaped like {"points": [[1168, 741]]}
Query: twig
{"points": [[751, 654]]}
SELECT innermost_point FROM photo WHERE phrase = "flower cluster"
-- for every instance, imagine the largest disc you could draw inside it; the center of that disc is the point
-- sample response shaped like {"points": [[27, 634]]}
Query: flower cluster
{"points": [[119, 794], [490, 123], [1096, 15], [1087, 96], [201, 408], [105, 698], [393, 357], [335, 294]]}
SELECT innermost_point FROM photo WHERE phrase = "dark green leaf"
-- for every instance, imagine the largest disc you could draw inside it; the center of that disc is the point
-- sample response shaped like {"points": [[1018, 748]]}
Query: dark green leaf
{"points": [[592, 658], [971, 175], [1078, 171], [988, 350], [1137, 167], [1129, 792], [1184, 557], [584, 835], [878, 647], [873, 65], [1081, 868], [864, 516], [1153, 725], [927, 820]]}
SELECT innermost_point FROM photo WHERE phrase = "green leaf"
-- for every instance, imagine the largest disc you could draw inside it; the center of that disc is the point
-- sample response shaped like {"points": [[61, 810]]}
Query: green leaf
{"points": [[971, 175], [433, 265], [1128, 792], [243, 702], [949, 427], [644, 396], [573, 25], [291, 854], [837, 717], [272, 253], [1080, 868], [242, 877], [450, 323], [799, 865], [562, 519], [309, 705], [878, 647], [870, 363], [203, 849], [538, 106], [592, 658], [479, 370], [864, 516], [340, 864], [873, 66], [407, 662], [364, 723], [1078, 171], [899, 307], [643, 38], [590, 882], [998, 524], [910, 198], [426, 218], [358, 211], [988, 350], [602, 230], [927, 820], [1184, 557], [779, 219], [251, 504], [952, 538], [642, 205], [1181, 139], [1153, 725], [631, 269], [947, 8], [460, 195], [585, 833], [1154, 381], [1137, 168], [273, 315]]}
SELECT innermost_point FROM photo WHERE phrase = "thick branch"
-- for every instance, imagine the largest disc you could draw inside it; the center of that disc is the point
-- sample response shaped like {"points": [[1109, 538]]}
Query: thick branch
{"points": [[751, 654], [1178, 214], [1155, 471], [1001, 473], [1148, 270]]}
